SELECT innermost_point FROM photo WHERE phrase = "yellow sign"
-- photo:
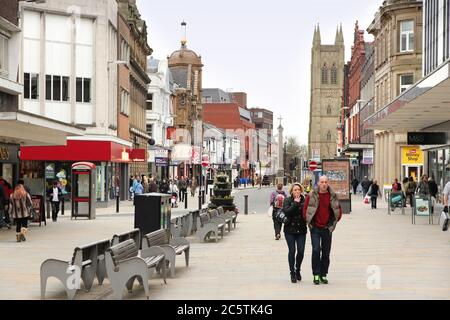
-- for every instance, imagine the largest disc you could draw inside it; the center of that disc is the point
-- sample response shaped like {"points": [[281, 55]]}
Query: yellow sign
{"points": [[412, 156]]}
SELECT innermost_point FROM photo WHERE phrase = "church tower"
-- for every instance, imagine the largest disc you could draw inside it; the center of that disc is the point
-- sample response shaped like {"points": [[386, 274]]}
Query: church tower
{"points": [[327, 82]]}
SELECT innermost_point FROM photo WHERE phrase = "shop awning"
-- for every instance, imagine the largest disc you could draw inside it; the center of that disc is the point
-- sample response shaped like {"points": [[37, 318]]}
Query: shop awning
{"points": [[425, 104], [82, 150], [28, 129]]}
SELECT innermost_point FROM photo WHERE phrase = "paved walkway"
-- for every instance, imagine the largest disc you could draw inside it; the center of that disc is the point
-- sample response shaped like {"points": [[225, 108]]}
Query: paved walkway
{"points": [[414, 260]]}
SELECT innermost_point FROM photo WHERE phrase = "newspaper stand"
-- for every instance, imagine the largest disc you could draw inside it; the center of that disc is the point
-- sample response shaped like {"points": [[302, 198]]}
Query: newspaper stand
{"points": [[394, 202], [422, 208]]}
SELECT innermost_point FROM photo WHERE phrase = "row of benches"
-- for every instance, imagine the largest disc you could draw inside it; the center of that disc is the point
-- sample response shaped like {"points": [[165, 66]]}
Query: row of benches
{"points": [[118, 259]]}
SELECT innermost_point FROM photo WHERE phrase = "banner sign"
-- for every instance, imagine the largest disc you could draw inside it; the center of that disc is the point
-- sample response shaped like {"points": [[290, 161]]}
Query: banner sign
{"points": [[367, 156]]}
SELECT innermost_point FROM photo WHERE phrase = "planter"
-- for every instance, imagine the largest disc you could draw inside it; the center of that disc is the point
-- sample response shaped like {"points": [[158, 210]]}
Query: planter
{"points": [[221, 202], [222, 185], [222, 192]]}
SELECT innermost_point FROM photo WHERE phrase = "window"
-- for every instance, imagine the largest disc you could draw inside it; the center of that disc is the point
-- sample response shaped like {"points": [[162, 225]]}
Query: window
{"points": [[124, 102], [406, 36], [149, 101], [150, 130], [324, 74], [329, 110], [406, 81], [125, 51], [260, 115], [334, 75], [329, 136], [57, 88], [31, 86], [3, 56], [83, 90]]}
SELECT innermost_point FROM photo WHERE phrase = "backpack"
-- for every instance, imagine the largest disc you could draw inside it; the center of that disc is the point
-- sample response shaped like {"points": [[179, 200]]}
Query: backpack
{"points": [[279, 200]]}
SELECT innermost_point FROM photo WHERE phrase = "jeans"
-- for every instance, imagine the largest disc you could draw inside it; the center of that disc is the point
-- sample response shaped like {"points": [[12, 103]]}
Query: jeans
{"points": [[277, 226], [21, 223], [55, 210], [294, 240], [374, 201], [321, 245]]}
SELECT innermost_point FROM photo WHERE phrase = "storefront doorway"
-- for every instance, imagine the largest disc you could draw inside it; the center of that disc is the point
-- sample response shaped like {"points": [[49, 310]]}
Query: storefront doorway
{"points": [[412, 171]]}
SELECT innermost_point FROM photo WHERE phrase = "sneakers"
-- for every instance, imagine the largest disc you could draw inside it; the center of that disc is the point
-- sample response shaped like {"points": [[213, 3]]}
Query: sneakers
{"points": [[277, 237], [323, 280], [298, 276], [316, 280]]}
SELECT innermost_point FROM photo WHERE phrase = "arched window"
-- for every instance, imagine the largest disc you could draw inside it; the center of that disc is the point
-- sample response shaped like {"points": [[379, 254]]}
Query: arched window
{"points": [[325, 74], [329, 135], [333, 74], [329, 110]]}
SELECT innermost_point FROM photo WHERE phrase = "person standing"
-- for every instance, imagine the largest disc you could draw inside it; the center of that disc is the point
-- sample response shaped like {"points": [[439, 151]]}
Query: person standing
{"points": [[138, 188], [433, 187], [19, 209], [153, 187], [446, 194], [295, 230], [423, 189], [55, 193], [276, 201], [355, 184], [322, 212], [374, 193], [410, 189]]}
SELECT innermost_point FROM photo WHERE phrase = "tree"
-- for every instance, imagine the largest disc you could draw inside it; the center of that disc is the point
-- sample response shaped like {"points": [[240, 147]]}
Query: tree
{"points": [[295, 153]]}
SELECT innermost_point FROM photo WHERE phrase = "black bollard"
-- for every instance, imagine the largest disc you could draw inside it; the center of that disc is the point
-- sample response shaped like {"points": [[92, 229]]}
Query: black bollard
{"points": [[203, 196], [62, 206], [185, 199], [48, 209], [117, 204], [246, 205]]}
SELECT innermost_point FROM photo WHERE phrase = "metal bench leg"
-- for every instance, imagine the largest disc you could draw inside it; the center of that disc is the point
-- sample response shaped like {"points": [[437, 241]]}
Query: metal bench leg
{"points": [[88, 276], [101, 271], [130, 283], [186, 257]]}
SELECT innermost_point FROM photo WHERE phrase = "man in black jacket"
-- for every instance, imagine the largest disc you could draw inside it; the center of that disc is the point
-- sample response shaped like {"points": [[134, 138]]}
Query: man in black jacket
{"points": [[54, 193]]}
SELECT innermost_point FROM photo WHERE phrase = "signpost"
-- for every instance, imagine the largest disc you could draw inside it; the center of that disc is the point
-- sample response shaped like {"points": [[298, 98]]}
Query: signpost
{"points": [[313, 165]]}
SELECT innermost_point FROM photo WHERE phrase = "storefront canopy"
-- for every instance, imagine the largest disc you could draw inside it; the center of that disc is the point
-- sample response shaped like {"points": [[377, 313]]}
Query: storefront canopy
{"points": [[424, 105]]}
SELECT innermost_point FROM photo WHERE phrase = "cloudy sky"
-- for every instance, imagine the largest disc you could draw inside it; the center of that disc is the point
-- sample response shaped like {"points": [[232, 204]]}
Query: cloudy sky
{"points": [[260, 47]]}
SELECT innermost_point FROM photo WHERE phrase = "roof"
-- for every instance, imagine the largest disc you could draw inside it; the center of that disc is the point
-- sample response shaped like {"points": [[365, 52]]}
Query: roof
{"points": [[225, 116], [184, 56]]}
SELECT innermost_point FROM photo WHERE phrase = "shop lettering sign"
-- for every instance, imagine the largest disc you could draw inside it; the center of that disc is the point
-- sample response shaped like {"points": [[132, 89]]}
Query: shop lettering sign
{"points": [[412, 156]]}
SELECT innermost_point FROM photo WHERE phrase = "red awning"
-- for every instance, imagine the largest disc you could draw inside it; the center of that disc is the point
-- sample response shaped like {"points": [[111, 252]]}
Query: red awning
{"points": [[77, 150]]}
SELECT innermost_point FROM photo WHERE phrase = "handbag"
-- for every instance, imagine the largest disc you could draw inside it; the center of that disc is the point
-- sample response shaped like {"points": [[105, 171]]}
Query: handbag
{"points": [[280, 216], [444, 221], [270, 212]]}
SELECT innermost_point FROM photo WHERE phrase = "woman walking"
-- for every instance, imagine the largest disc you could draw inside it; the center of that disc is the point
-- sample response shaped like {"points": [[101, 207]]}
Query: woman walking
{"points": [[374, 192], [295, 230], [19, 209]]}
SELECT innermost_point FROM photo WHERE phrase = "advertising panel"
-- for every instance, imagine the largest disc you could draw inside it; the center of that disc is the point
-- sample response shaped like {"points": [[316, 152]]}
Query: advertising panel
{"points": [[338, 172]]}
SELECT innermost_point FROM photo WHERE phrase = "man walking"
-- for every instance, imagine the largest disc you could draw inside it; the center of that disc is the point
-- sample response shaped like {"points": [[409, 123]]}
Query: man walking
{"points": [[55, 193], [365, 184], [322, 212]]}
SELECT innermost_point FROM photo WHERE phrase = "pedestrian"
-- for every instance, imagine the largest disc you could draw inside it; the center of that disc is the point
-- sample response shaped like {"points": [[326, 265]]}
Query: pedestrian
{"points": [[54, 193], [410, 189], [295, 230], [374, 192], [27, 189], [365, 184], [138, 188], [322, 212], [173, 190], [423, 189], [396, 186], [19, 209], [153, 187], [193, 187], [446, 195], [2, 208], [146, 184], [355, 184], [277, 198], [433, 187]]}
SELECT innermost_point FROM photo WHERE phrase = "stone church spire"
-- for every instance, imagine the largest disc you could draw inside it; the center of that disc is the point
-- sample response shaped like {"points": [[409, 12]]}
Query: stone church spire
{"points": [[339, 36], [317, 40]]}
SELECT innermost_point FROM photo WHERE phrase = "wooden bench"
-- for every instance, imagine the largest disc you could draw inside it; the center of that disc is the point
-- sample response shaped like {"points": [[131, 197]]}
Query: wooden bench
{"points": [[134, 234], [124, 266], [172, 248], [229, 214], [208, 227], [83, 266], [214, 214]]}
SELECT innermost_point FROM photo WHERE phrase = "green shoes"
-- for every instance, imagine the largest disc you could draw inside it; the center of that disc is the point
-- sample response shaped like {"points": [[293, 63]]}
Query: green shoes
{"points": [[323, 280], [316, 280]]}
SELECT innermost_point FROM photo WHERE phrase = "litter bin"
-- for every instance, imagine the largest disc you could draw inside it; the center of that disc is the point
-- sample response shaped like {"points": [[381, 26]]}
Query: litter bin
{"points": [[152, 212]]}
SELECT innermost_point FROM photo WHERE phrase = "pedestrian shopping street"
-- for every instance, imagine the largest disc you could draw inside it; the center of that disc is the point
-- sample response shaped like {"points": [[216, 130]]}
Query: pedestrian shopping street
{"points": [[412, 261]]}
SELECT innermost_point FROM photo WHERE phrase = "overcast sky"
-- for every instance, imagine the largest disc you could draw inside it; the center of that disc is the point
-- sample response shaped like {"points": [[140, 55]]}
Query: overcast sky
{"points": [[260, 47]]}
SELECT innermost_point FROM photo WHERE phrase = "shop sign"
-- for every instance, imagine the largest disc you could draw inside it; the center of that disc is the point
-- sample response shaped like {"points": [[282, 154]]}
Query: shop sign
{"points": [[9, 153], [161, 162], [50, 171], [412, 156], [427, 138], [367, 156]]}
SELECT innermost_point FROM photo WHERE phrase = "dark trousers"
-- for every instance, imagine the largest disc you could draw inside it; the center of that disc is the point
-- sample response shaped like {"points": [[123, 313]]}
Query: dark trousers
{"points": [[55, 210], [321, 245], [293, 241], [21, 223], [373, 199], [277, 226]]}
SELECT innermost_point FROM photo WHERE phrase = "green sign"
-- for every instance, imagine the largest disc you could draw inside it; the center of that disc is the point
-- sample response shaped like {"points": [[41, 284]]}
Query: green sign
{"points": [[422, 207], [50, 171]]}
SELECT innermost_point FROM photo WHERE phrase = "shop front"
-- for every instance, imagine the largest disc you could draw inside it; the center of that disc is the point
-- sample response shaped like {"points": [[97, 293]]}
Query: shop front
{"points": [[439, 166], [41, 166]]}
